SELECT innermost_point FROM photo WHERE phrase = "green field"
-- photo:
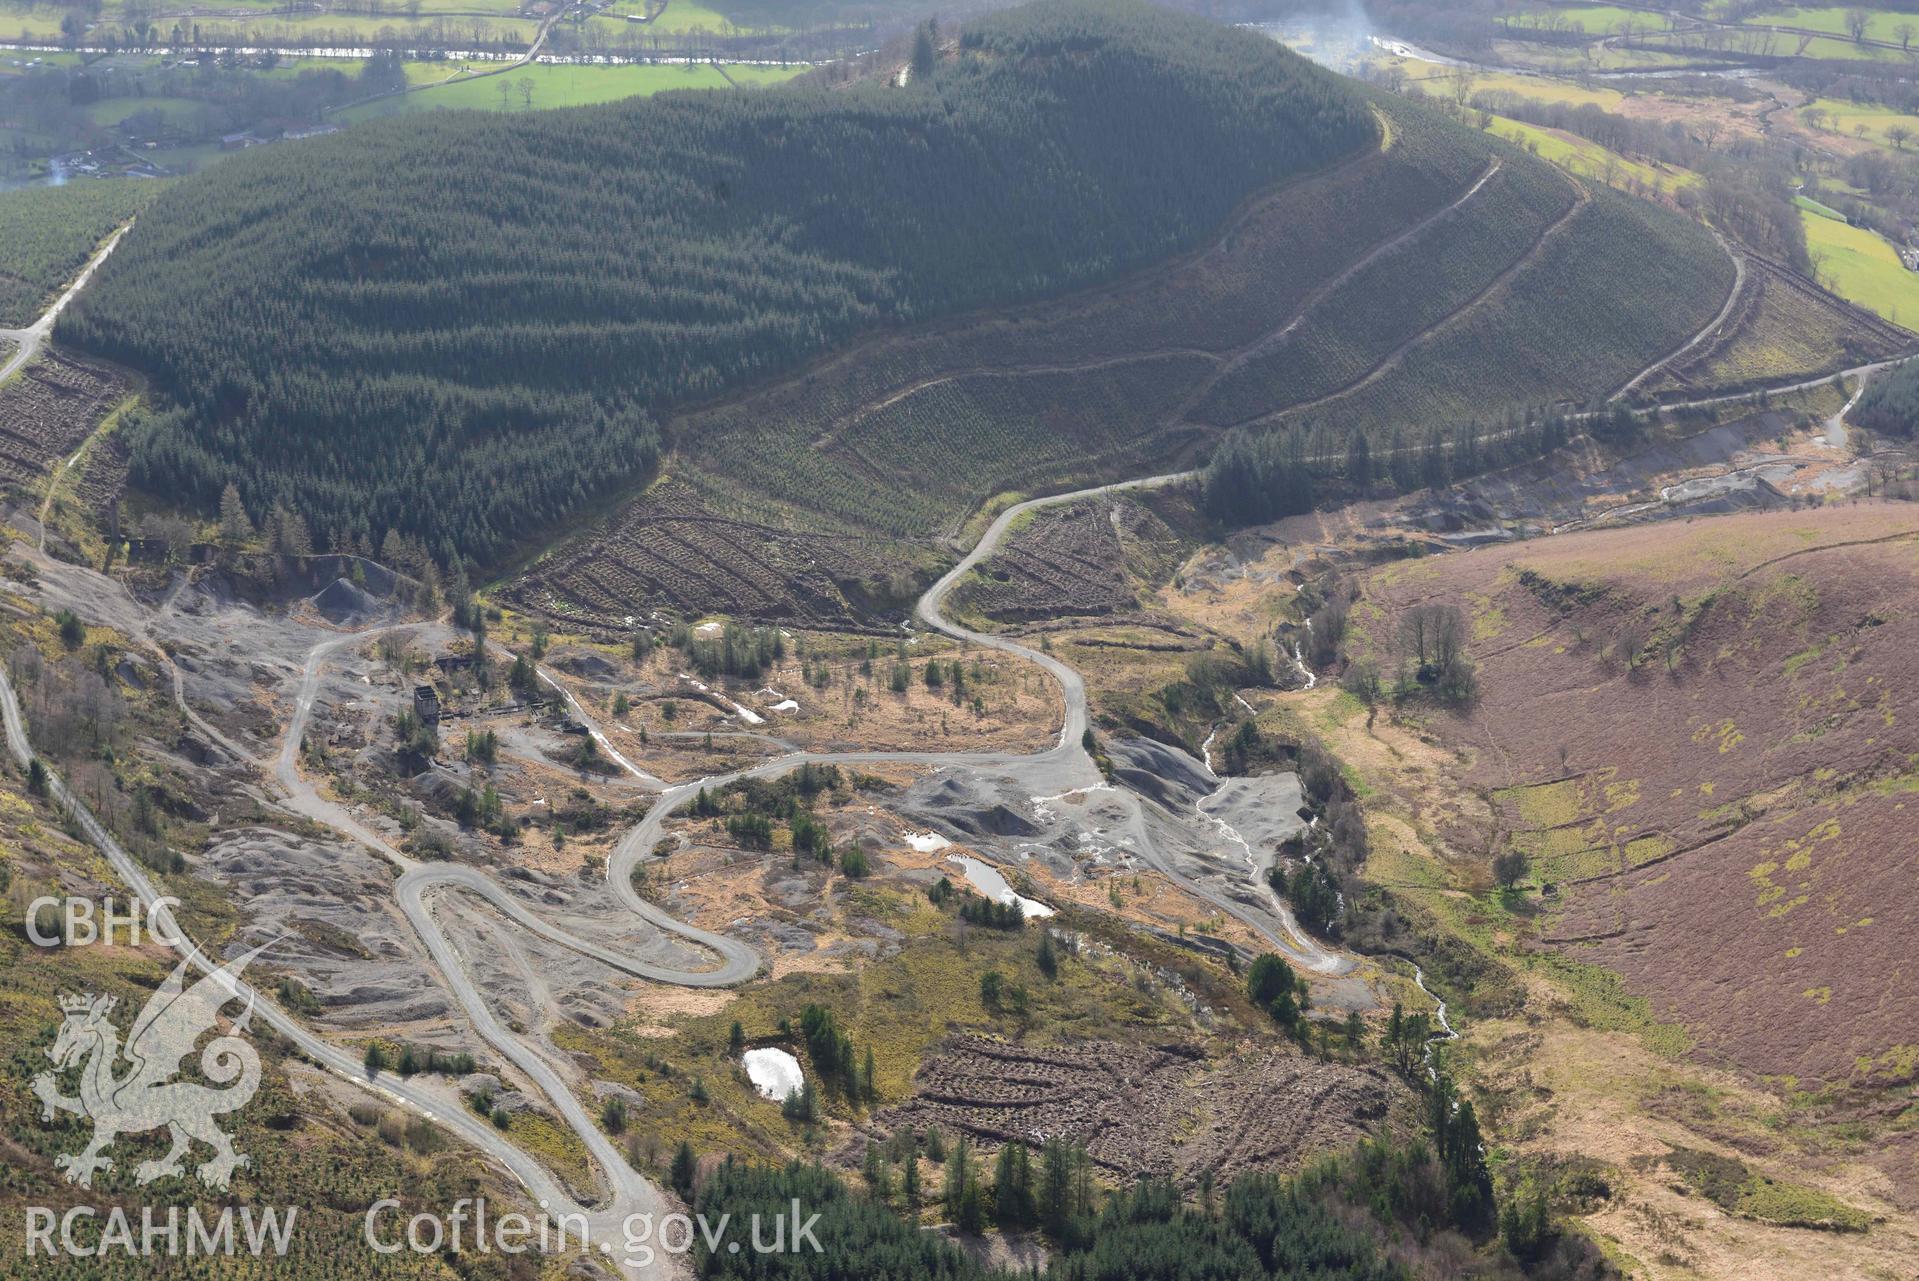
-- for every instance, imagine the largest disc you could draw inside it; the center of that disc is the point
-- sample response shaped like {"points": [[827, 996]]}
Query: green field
{"points": [[689, 15], [1583, 156], [685, 15], [1848, 118], [557, 86], [1437, 81], [1823, 210], [276, 28], [29, 23], [1861, 267], [15, 63], [1574, 61], [289, 68], [1838, 49], [428, 31], [111, 111], [443, 23], [1549, 89], [1606, 19], [1880, 25]]}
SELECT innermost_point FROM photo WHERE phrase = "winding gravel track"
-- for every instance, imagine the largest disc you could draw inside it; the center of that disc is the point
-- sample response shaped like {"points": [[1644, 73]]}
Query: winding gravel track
{"points": [[1711, 326], [435, 1103], [1063, 768]]}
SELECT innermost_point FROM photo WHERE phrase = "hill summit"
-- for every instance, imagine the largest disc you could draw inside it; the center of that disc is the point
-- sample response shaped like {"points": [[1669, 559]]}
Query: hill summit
{"points": [[463, 328]]}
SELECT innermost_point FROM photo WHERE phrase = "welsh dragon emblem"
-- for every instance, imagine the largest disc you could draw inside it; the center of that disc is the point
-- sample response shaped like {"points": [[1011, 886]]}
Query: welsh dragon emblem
{"points": [[145, 1096]]}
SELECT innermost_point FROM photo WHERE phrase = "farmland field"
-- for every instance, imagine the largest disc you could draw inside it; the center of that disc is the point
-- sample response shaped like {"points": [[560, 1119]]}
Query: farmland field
{"points": [[1846, 119], [687, 15], [1583, 156], [183, 111], [1603, 19], [50, 232], [1574, 61], [1861, 267], [29, 24], [1880, 24], [1548, 89], [562, 86], [1840, 50]]}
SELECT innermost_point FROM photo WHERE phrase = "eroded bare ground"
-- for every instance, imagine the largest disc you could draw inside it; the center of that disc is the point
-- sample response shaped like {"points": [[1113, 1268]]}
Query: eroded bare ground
{"points": [[1169, 894], [345, 958], [825, 693]]}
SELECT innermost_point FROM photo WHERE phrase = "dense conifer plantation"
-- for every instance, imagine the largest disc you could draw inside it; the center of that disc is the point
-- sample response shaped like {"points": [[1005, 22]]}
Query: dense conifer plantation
{"points": [[1890, 403], [464, 326]]}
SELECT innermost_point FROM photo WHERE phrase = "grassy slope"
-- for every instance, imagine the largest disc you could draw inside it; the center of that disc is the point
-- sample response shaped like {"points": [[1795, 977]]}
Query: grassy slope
{"points": [[1583, 156], [1861, 267], [1749, 754], [1593, 309], [1623, 1071], [562, 86]]}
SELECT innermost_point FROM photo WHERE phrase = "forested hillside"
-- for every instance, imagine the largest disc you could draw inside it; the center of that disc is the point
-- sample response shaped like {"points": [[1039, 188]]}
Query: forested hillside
{"points": [[50, 232], [1890, 403], [1442, 283], [465, 328]]}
